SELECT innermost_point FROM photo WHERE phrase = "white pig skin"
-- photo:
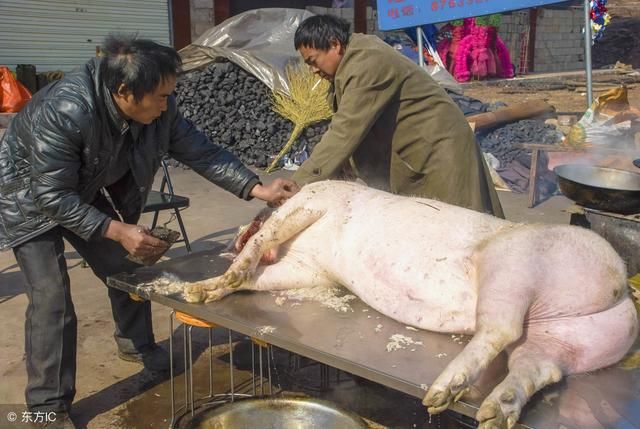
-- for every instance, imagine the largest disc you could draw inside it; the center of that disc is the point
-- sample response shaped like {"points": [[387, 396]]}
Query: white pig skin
{"points": [[447, 269]]}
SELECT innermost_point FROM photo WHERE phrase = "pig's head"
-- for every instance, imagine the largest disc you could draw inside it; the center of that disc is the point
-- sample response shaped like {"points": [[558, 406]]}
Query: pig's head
{"points": [[245, 232]]}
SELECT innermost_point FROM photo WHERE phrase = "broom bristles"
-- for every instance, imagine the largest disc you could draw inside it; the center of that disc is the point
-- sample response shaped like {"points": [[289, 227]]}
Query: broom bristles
{"points": [[306, 104]]}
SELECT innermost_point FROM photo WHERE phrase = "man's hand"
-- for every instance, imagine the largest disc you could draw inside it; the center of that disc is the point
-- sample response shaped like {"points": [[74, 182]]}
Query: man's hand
{"points": [[275, 193], [136, 240]]}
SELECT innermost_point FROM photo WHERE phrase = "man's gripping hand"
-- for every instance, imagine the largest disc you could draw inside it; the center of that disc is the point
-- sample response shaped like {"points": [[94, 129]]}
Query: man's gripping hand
{"points": [[276, 192], [136, 240]]}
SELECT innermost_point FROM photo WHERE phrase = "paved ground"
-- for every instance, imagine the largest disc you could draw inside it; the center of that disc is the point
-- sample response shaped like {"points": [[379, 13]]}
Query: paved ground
{"points": [[112, 393]]}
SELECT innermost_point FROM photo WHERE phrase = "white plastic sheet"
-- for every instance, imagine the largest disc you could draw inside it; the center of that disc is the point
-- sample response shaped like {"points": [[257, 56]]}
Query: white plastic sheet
{"points": [[260, 41]]}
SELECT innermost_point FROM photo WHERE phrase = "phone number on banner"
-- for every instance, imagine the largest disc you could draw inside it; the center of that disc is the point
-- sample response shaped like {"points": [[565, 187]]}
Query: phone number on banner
{"points": [[437, 5], [406, 9]]}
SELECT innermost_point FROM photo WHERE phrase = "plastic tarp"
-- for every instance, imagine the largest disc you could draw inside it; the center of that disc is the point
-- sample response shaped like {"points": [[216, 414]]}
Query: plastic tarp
{"points": [[260, 41]]}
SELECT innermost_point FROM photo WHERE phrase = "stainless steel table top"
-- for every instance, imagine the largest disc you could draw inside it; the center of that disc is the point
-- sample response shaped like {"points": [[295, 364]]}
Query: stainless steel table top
{"points": [[354, 342]]}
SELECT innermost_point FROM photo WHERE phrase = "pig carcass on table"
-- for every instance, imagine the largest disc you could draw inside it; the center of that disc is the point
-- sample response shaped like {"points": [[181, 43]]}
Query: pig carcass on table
{"points": [[551, 295]]}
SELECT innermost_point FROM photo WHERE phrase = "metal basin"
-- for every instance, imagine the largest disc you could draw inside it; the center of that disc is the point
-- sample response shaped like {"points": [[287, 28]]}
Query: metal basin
{"points": [[600, 188], [278, 413]]}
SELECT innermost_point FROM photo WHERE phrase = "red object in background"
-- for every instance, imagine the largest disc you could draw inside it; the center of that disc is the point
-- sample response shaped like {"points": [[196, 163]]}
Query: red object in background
{"points": [[13, 94]]}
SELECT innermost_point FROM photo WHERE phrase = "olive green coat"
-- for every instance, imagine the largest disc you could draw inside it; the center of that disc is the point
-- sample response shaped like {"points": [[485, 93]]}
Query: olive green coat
{"points": [[401, 132]]}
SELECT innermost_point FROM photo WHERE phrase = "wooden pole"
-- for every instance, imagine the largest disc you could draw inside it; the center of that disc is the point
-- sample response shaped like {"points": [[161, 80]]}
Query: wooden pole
{"points": [[509, 114], [359, 16], [531, 50], [181, 20], [221, 11]]}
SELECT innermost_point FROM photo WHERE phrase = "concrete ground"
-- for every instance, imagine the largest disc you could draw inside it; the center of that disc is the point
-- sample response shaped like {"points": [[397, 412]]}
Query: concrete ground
{"points": [[112, 393]]}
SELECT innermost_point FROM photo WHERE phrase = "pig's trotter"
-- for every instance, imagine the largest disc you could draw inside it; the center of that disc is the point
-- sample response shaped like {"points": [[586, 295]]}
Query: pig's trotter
{"points": [[206, 290], [238, 273], [528, 373], [461, 372], [490, 416], [194, 293], [439, 399], [217, 294]]}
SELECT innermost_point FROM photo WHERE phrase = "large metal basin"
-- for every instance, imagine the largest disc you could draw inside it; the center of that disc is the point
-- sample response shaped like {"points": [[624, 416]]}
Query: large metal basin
{"points": [[600, 188], [278, 413]]}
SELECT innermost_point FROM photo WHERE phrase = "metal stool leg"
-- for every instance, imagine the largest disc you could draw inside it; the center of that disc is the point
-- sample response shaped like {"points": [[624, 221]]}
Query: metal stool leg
{"points": [[253, 369], [325, 376], [173, 399], [231, 367], [210, 363], [266, 346], [188, 322], [191, 369], [269, 350], [186, 367], [261, 376]]}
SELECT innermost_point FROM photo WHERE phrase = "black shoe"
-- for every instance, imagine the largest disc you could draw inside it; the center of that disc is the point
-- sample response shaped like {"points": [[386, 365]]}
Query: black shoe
{"points": [[153, 357]]}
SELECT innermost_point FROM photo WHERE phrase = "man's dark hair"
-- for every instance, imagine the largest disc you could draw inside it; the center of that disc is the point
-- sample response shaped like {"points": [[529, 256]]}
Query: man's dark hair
{"points": [[140, 64], [318, 31]]}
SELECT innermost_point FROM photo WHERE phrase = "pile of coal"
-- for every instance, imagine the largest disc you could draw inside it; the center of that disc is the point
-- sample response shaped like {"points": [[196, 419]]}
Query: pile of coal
{"points": [[233, 108], [503, 142]]}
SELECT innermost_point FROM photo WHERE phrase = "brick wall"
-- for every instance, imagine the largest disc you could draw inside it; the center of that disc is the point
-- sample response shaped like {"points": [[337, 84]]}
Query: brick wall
{"points": [[559, 40], [347, 13]]}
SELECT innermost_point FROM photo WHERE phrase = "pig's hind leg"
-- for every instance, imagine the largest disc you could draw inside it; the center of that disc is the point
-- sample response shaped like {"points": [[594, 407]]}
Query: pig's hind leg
{"points": [[551, 348], [503, 300], [499, 323]]}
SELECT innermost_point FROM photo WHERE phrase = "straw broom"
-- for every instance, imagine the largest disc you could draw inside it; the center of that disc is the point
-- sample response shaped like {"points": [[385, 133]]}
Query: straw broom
{"points": [[306, 105]]}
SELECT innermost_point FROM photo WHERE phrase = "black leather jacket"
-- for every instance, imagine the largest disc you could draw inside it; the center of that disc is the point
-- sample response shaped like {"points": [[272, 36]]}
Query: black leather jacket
{"points": [[55, 155]]}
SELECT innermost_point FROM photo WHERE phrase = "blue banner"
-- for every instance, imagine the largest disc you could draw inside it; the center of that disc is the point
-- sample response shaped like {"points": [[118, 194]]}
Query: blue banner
{"points": [[395, 14]]}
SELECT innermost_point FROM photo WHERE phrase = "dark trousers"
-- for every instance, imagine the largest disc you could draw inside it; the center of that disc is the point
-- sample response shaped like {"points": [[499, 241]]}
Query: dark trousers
{"points": [[51, 324]]}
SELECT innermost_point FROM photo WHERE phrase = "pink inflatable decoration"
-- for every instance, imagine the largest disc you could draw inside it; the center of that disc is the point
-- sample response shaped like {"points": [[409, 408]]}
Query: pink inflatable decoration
{"points": [[475, 51]]}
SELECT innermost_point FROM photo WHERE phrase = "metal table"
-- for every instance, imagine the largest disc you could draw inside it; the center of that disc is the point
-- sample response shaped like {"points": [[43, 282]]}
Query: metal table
{"points": [[349, 341]]}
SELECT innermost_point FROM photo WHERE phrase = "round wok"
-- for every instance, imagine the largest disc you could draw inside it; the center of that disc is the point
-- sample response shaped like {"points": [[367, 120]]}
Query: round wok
{"points": [[600, 188]]}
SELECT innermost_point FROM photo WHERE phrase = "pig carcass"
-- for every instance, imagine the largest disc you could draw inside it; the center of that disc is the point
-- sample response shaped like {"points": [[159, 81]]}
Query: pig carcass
{"points": [[551, 295]]}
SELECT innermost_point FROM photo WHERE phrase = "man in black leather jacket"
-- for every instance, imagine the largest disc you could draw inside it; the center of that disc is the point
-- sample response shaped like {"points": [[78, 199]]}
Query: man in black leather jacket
{"points": [[102, 129]]}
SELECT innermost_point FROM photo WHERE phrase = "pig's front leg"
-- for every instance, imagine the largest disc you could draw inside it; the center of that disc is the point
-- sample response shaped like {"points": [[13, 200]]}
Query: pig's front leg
{"points": [[290, 272], [284, 224]]}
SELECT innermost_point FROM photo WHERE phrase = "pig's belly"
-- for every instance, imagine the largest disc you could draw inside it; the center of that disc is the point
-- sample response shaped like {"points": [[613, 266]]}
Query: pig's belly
{"points": [[437, 300], [410, 262]]}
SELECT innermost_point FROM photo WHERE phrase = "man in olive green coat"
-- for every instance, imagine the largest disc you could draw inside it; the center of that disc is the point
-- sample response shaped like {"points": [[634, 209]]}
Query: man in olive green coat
{"points": [[397, 127]]}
